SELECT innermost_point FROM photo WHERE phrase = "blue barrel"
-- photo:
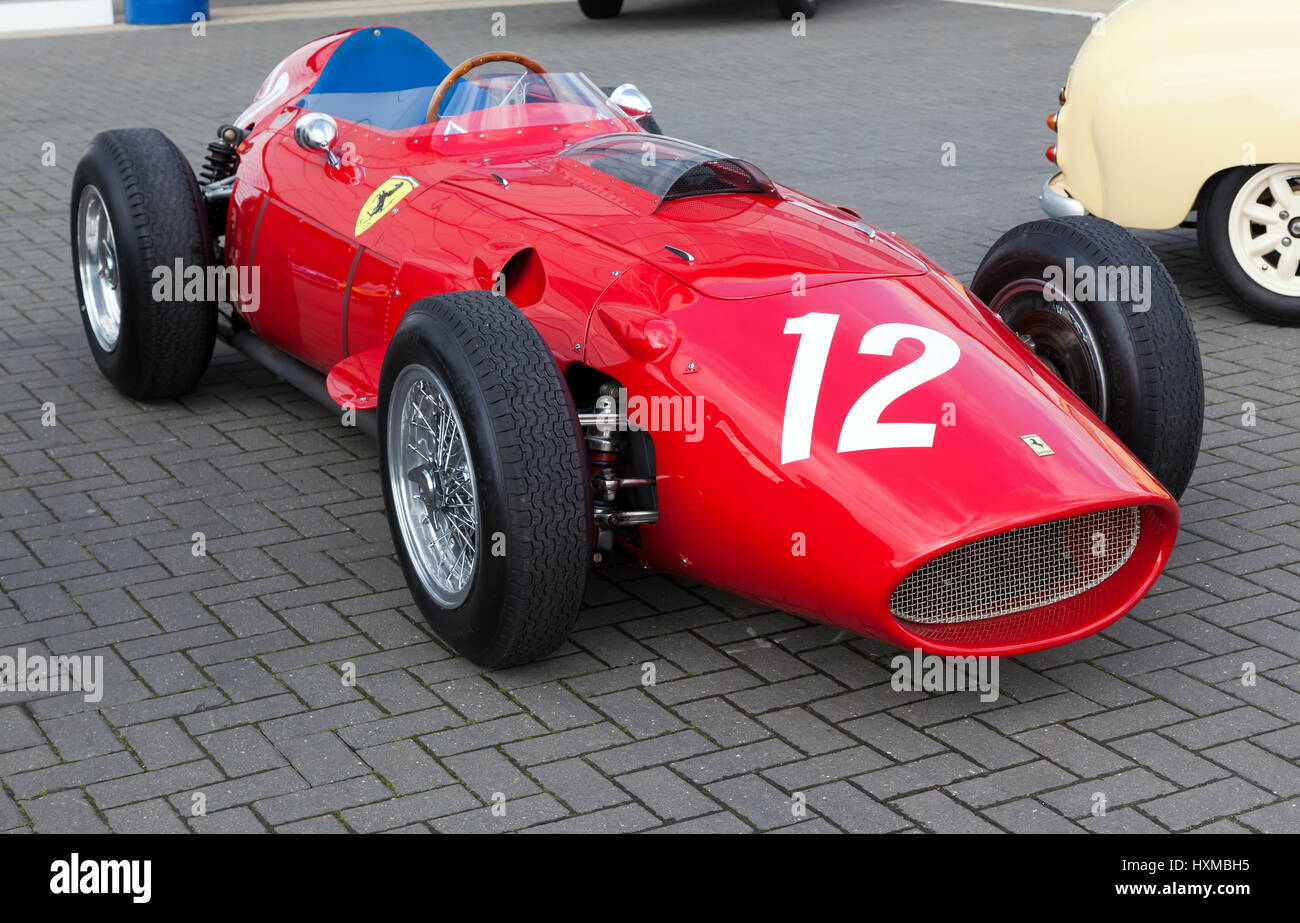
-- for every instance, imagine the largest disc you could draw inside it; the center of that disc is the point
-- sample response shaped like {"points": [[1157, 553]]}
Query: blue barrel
{"points": [[162, 12]]}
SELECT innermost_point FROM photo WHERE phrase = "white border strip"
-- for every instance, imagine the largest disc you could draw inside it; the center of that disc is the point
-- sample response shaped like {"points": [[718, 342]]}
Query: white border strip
{"points": [[55, 14], [1026, 8]]}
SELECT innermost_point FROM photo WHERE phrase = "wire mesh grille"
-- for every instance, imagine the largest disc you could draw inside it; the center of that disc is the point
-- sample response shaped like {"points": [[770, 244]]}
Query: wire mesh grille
{"points": [[1018, 570]]}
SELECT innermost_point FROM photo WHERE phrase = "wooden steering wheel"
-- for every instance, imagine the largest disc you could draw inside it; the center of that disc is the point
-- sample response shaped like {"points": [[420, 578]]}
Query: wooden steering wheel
{"points": [[461, 70]]}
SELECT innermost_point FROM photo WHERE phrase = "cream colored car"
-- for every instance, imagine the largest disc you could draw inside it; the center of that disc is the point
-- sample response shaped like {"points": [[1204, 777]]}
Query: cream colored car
{"points": [[1188, 112]]}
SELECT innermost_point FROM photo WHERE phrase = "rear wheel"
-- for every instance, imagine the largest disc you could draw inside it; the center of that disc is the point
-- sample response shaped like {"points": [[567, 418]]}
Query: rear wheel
{"points": [[137, 215], [1124, 343], [601, 9], [484, 477], [1248, 225]]}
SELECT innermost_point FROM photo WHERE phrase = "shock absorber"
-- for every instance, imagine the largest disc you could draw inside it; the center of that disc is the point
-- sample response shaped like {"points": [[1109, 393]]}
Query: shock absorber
{"points": [[604, 433], [222, 158], [602, 451]]}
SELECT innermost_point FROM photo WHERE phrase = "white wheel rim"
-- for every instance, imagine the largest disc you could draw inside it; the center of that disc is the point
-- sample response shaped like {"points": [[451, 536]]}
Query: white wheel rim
{"points": [[97, 266], [431, 478], [1264, 228]]}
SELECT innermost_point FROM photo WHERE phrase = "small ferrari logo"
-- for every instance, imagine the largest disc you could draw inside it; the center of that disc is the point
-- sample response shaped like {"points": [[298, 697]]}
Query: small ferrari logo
{"points": [[1036, 443], [381, 201]]}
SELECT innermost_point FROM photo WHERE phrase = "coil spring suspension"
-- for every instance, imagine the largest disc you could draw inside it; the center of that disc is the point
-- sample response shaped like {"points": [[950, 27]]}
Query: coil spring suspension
{"points": [[222, 159], [602, 454], [604, 437]]}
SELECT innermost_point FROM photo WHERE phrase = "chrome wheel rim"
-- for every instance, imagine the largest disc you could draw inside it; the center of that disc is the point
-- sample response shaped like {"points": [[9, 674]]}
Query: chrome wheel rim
{"points": [[1058, 332], [98, 268], [431, 478], [1264, 228]]}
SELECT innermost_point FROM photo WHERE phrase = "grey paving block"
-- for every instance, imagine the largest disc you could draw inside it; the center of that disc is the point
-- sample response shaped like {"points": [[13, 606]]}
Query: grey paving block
{"points": [[161, 743], [489, 774], [63, 812], [394, 812], [1194, 806], [322, 799], [758, 801], [241, 751], [628, 818], [1072, 751], [1014, 782], [666, 793], [637, 713], [851, 810], [321, 758], [154, 816], [936, 812], [1110, 793], [723, 722], [405, 766], [513, 815], [233, 820], [579, 785], [928, 772]]}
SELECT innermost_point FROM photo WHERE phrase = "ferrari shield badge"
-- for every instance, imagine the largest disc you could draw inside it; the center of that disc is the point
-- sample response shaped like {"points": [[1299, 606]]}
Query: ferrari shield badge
{"points": [[381, 201], [1036, 443]]}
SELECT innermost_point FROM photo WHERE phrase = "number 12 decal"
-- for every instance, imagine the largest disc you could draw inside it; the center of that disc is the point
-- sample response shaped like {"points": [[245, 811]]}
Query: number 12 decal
{"points": [[862, 427]]}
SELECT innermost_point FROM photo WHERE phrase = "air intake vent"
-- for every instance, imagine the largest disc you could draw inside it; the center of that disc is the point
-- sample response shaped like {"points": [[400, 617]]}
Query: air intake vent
{"points": [[715, 176], [1018, 570]]}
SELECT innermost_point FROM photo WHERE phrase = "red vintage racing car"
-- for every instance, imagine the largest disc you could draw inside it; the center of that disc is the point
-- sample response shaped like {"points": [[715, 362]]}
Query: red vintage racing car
{"points": [[571, 333]]}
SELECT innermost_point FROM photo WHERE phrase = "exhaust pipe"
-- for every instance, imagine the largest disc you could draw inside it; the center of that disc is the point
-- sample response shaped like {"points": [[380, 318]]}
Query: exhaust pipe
{"points": [[284, 366]]}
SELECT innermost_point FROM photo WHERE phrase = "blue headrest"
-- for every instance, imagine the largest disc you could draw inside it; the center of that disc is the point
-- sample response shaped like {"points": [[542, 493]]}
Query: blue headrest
{"points": [[379, 60]]}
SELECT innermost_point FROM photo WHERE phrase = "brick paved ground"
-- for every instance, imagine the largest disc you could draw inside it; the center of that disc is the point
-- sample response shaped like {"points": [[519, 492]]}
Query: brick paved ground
{"points": [[224, 670]]}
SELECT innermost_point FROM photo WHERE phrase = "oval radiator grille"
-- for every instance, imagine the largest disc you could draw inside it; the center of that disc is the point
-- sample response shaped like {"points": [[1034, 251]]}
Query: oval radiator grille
{"points": [[1022, 569]]}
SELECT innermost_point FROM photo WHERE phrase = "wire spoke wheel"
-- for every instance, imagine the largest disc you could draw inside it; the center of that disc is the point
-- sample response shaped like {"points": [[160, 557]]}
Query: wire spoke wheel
{"points": [[431, 476]]}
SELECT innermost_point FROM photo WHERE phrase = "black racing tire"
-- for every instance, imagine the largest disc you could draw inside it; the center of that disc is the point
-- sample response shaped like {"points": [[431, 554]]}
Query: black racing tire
{"points": [[157, 216], [788, 8], [1142, 366], [601, 9], [530, 473], [1215, 218]]}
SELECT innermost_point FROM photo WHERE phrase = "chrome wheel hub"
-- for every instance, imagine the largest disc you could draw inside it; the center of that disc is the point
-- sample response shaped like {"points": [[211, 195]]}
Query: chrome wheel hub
{"points": [[1058, 332], [431, 477], [1264, 229], [97, 268]]}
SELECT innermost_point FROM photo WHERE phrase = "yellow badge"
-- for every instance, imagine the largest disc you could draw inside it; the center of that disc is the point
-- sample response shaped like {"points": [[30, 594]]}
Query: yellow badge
{"points": [[381, 201]]}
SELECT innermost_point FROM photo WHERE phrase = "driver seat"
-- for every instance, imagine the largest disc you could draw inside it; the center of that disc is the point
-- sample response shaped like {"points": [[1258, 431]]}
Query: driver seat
{"points": [[380, 76]]}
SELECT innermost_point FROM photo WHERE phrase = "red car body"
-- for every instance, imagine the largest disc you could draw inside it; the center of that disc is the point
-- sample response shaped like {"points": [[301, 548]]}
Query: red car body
{"points": [[824, 533]]}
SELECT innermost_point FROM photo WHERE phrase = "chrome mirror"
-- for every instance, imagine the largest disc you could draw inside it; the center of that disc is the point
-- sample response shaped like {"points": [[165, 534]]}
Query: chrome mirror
{"points": [[316, 131], [631, 100]]}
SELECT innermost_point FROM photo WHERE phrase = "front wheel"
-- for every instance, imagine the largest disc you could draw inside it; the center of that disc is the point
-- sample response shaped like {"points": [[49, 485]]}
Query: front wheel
{"points": [[140, 239], [485, 478], [1248, 226], [1101, 311]]}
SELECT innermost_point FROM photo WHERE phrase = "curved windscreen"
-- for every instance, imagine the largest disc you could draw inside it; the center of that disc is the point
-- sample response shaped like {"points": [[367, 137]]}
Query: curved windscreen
{"points": [[668, 168], [479, 102], [489, 102]]}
